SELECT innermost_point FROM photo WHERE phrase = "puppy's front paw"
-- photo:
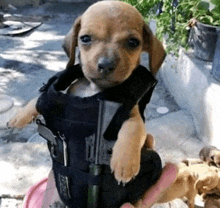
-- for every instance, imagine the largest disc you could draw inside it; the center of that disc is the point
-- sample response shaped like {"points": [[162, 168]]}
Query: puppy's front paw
{"points": [[125, 163], [21, 119]]}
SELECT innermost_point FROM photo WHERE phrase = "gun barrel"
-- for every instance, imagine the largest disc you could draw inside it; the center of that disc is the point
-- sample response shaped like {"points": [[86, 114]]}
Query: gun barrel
{"points": [[99, 130], [107, 110], [93, 190]]}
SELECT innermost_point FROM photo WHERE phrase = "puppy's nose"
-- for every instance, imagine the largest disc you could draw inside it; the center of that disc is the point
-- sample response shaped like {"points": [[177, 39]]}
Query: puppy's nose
{"points": [[106, 65]]}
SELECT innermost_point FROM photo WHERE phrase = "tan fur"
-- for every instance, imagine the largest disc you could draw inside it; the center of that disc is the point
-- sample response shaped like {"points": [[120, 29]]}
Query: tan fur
{"points": [[212, 202], [150, 142], [192, 180], [111, 37], [110, 24], [212, 199], [25, 115]]}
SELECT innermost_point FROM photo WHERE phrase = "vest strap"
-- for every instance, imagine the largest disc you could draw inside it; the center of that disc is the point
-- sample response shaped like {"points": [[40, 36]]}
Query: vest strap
{"points": [[78, 175]]}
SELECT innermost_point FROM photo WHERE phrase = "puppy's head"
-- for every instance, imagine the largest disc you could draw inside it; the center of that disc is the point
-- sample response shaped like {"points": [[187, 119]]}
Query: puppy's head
{"points": [[215, 157], [207, 180], [111, 36]]}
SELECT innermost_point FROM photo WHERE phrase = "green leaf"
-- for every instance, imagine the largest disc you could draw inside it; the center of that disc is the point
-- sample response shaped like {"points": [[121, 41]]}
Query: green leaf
{"points": [[216, 10], [203, 5], [215, 2], [206, 19], [183, 40]]}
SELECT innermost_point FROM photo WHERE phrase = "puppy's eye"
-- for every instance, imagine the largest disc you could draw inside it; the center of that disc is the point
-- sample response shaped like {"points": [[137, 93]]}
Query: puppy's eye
{"points": [[86, 39], [133, 43]]}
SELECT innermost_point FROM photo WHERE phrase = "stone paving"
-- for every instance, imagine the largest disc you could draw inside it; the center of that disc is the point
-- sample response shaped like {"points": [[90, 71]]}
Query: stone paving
{"points": [[26, 62]]}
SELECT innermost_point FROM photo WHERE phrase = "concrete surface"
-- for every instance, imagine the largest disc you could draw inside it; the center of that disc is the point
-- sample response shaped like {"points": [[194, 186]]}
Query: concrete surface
{"points": [[194, 89], [20, 3], [175, 136], [26, 62], [18, 160], [6, 103]]}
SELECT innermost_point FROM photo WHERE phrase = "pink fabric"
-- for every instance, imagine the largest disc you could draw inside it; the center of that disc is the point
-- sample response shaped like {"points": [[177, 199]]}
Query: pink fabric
{"points": [[34, 195]]}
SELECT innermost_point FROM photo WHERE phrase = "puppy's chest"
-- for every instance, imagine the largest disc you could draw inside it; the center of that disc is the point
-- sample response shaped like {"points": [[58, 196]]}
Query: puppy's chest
{"points": [[82, 88]]}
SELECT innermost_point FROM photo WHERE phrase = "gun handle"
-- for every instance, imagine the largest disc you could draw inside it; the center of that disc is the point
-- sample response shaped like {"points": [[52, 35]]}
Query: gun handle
{"points": [[93, 190]]}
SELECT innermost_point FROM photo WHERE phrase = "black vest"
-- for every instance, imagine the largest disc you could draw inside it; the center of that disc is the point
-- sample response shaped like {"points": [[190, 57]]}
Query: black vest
{"points": [[76, 119]]}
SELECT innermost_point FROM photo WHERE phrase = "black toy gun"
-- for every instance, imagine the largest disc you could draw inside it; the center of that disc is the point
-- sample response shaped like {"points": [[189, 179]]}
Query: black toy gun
{"points": [[98, 149]]}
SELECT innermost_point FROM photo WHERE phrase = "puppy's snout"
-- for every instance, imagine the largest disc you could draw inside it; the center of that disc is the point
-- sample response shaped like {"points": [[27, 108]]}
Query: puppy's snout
{"points": [[106, 65]]}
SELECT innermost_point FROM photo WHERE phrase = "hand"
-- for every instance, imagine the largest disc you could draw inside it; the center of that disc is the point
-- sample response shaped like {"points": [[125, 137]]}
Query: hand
{"points": [[150, 197]]}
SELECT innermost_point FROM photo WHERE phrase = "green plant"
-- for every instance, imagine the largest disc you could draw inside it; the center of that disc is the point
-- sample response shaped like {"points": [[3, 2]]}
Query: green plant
{"points": [[143, 6], [173, 22]]}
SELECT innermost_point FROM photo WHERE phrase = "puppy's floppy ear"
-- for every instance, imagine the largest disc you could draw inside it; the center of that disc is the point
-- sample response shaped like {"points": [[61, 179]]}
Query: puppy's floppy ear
{"points": [[70, 42], [207, 182], [199, 186], [155, 49]]}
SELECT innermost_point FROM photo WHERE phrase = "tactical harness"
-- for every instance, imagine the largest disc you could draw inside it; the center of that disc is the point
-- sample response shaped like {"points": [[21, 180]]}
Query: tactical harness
{"points": [[81, 133]]}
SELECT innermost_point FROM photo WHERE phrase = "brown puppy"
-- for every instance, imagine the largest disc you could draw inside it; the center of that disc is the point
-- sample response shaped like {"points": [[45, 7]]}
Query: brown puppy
{"points": [[211, 155], [192, 180], [109, 32], [212, 202], [212, 199]]}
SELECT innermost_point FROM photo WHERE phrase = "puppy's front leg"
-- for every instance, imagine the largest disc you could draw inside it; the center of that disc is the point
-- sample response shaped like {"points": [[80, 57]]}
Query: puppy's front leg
{"points": [[25, 115], [191, 200], [126, 155]]}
